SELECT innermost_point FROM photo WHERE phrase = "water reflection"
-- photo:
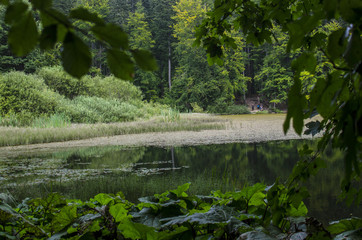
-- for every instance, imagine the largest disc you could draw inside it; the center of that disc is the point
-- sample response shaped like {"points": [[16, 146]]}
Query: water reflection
{"points": [[145, 171]]}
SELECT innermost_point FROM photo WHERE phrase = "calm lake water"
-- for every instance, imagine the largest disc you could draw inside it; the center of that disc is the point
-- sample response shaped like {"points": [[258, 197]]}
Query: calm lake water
{"points": [[143, 171]]}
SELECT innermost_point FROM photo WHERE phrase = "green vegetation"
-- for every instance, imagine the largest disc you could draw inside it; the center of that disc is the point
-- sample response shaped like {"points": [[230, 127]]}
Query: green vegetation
{"points": [[53, 96], [321, 42], [10, 136], [326, 38], [254, 212]]}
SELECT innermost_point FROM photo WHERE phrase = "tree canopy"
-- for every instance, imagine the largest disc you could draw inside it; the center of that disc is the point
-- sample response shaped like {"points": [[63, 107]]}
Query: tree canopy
{"points": [[336, 96], [58, 27], [320, 39]]}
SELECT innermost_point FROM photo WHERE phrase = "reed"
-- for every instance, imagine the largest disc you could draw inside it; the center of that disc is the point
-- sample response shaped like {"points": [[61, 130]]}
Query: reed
{"points": [[12, 136]]}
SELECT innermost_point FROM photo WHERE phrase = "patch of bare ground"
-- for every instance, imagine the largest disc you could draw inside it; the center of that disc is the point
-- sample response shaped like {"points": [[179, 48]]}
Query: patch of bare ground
{"points": [[238, 128]]}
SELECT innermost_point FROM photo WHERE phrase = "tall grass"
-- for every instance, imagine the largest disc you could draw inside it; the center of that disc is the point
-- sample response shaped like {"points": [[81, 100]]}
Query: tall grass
{"points": [[170, 115], [11, 136], [53, 121]]}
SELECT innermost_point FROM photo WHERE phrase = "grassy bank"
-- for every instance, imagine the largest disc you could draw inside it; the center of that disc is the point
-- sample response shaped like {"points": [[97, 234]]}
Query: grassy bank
{"points": [[12, 136]]}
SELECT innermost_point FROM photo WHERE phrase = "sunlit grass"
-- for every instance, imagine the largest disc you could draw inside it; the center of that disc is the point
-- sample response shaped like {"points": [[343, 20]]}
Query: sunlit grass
{"points": [[12, 136]]}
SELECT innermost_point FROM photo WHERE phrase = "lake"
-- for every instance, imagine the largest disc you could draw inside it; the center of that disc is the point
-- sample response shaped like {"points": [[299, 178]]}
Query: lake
{"points": [[143, 171]]}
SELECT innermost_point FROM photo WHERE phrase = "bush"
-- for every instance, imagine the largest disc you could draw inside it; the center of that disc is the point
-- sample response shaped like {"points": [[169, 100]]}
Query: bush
{"points": [[22, 94], [85, 109], [114, 88], [60, 81], [229, 109], [109, 87]]}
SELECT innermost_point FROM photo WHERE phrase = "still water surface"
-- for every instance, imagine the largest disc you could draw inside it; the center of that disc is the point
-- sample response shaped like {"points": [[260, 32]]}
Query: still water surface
{"points": [[142, 171]]}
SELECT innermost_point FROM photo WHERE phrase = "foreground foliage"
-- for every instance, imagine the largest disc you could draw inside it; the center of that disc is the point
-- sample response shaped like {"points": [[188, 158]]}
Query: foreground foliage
{"points": [[254, 212], [336, 96]]}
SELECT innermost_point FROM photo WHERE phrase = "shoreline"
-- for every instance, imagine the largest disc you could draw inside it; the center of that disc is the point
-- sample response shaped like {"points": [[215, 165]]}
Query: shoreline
{"points": [[240, 128]]}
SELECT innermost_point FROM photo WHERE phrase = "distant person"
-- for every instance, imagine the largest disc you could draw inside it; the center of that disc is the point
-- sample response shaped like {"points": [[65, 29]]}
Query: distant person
{"points": [[261, 107], [252, 107], [258, 106]]}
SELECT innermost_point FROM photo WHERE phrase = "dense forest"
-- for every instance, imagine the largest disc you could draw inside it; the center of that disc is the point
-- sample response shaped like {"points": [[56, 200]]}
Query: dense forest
{"points": [[184, 78]]}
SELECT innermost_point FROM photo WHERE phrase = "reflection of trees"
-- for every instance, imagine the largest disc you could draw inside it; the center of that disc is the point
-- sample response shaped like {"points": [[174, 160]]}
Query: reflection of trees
{"points": [[262, 161], [109, 157], [324, 189]]}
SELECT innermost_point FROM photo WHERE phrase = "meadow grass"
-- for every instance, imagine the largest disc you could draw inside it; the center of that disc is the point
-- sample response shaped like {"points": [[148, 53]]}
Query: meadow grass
{"points": [[12, 136]]}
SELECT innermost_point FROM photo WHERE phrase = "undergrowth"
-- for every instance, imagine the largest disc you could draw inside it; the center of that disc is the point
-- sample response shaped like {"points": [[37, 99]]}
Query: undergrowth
{"points": [[255, 212]]}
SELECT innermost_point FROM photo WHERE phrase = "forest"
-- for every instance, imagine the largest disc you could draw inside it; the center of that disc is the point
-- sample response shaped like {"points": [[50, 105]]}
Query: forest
{"points": [[107, 61], [184, 79]]}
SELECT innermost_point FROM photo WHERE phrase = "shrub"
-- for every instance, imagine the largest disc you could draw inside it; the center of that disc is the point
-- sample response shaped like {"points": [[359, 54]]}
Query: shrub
{"points": [[196, 108], [85, 109], [114, 88], [25, 94], [109, 87], [224, 108], [60, 81]]}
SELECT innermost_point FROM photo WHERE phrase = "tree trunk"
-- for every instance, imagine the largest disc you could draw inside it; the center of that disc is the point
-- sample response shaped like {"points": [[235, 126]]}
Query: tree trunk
{"points": [[169, 65]]}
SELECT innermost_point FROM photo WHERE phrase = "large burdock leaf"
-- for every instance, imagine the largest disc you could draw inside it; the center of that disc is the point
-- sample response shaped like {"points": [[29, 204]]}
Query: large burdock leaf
{"points": [[344, 225], [76, 56], [255, 235], [65, 217]]}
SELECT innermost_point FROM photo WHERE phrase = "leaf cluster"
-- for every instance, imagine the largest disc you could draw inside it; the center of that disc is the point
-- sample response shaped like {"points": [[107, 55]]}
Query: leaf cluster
{"points": [[57, 27], [255, 211], [337, 95]]}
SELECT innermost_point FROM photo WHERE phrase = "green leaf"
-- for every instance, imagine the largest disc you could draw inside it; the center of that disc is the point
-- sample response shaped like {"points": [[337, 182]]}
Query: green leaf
{"points": [[350, 235], [15, 12], [42, 4], [326, 105], [351, 10], [181, 190], [139, 231], [118, 212], [48, 37], [216, 215], [82, 13], [354, 49], [305, 62], [4, 235], [120, 64], [103, 198], [65, 217], [23, 35], [344, 225], [4, 2], [256, 235], [76, 56], [52, 16], [336, 44], [112, 34], [145, 60], [301, 211], [330, 8], [296, 104]]}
